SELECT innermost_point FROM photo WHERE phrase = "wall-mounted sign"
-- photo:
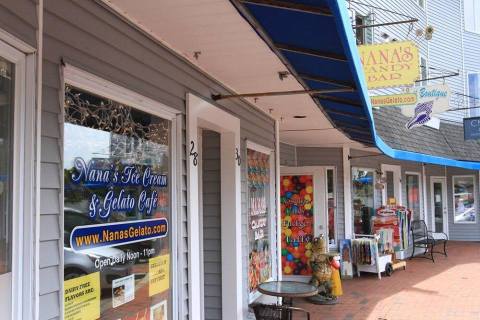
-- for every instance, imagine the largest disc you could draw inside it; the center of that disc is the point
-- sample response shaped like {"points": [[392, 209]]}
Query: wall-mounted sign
{"points": [[471, 128], [390, 64], [391, 100], [259, 257], [430, 100]]}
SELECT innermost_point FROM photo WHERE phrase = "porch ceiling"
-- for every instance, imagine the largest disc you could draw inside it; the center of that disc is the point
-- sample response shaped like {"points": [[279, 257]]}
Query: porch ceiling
{"points": [[233, 53]]}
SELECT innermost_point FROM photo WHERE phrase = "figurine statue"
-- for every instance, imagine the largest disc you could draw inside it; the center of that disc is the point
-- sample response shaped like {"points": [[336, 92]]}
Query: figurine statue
{"points": [[321, 264]]}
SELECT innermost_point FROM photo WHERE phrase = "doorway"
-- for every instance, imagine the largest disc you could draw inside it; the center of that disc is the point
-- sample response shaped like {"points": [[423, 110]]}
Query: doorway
{"points": [[221, 147], [308, 209], [438, 187], [211, 221], [17, 178]]}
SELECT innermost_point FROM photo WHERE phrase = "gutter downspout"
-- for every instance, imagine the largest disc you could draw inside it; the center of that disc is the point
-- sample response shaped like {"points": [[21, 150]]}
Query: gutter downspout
{"points": [[277, 200], [425, 217], [38, 123]]}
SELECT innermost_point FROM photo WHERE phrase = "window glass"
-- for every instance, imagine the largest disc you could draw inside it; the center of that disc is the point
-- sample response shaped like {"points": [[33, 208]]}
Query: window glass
{"points": [[413, 195], [116, 211], [360, 32], [474, 94], [6, 163], [390, 188], [332, 205], [260, 260], [363, 199], [464, 199]]}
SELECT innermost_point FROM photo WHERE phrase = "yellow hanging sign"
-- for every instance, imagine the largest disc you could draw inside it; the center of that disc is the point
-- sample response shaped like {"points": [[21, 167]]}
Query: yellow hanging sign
{"points": [[390, 64], [82, 297], [158, 274]]}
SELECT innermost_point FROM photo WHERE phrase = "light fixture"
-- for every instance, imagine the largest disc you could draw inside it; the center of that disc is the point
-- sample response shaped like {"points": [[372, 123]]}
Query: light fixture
{"points": [[429, 32]]}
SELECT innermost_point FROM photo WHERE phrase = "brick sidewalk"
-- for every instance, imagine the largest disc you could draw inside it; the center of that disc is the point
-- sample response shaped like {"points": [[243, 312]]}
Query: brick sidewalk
{"points": [[445, 290]]}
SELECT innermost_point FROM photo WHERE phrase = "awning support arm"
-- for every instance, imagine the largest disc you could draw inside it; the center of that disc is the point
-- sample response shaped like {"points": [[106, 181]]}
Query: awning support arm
{"points": [[217, 97], [364, 26]]}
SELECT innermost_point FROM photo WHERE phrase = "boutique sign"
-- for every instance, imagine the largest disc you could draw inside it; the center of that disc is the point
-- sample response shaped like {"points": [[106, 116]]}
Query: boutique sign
{"points": [[390, 64]]}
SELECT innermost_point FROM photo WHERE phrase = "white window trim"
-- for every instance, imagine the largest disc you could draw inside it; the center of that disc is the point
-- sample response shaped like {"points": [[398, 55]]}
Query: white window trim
{"points": [[468, 90], [25, 265], [96, 85], [397, 181], [351, 191], [474, 198], [104, 88], [335, 205], [418, 4], [420, 190], [272, 215], [203, 114], [443, 180], [465, 27]]}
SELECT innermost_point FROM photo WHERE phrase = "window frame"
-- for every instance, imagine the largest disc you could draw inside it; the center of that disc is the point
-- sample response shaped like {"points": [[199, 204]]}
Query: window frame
{"points": [[470, 94], [99, 86], [475, 198], [335, 205], [351, 189], [254, 295], [420, 189], [475, 29], [25, 177]]}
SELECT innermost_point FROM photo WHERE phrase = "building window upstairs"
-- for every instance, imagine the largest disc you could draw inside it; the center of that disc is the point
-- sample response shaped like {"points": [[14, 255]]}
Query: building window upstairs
{"points": [[471, 10]]}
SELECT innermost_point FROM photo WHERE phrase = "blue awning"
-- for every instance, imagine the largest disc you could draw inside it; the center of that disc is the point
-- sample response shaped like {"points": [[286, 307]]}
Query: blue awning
{"points": [[314, 39]]}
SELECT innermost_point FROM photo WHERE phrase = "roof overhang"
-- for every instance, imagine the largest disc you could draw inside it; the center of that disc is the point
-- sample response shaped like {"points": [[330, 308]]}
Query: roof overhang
{"points": [[315, 40]]}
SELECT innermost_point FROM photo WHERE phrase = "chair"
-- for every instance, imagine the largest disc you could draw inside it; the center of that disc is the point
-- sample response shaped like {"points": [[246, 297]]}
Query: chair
{"points": [[276, 312], [427, 240]]}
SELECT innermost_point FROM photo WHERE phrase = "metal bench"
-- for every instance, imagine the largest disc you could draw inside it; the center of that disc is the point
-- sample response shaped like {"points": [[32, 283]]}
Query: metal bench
{"points": [[427, 240]]}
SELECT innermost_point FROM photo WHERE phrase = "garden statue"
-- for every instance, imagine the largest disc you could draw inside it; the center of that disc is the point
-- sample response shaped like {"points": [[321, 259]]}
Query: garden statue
{"points": [[323, 264]]}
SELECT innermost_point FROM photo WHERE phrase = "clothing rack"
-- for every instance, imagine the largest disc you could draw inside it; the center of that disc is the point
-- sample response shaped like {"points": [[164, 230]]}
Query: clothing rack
{"points": [[379, 262]]}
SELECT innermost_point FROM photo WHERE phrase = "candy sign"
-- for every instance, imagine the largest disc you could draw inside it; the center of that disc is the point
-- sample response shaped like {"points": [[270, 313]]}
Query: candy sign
{"points": [[390, 64], [296, 198]]}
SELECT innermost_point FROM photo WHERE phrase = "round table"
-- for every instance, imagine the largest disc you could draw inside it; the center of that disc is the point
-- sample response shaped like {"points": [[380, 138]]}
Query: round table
{"points": [[288, 289]]}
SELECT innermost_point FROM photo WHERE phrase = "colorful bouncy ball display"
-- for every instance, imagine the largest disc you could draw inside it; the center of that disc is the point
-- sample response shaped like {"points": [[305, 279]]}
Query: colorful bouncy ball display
{"points": [[296, 197]]}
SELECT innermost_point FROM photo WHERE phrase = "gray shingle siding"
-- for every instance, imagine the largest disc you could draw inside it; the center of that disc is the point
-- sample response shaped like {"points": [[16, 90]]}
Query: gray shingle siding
{"points": [[88, 36]]}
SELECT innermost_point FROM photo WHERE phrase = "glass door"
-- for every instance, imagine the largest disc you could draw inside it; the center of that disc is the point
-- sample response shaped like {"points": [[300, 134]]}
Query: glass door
{"points": [[7, 71], [439, 204]]}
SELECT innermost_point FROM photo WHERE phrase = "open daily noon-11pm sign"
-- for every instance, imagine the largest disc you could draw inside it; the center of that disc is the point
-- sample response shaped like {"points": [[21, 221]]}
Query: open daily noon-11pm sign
{"points": [[390, 64]]}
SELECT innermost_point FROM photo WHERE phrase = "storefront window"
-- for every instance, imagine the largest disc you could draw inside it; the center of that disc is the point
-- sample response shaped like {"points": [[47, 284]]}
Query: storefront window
{"points": [[331, 206], [464, 199], [6, 163], [363, 181], [296, 199], [117, 250], [413, 194], [260, 257]]}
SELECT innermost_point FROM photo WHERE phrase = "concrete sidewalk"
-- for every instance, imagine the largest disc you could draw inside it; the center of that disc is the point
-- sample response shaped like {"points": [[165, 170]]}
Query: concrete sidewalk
{"points": [[445, 290]]}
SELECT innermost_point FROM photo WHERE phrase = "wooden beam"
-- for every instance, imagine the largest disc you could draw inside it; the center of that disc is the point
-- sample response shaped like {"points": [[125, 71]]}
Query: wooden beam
{"points": [[338, 100], [338, 83], [323, 11], [217, 97], [345, 113], [310, 52]]}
